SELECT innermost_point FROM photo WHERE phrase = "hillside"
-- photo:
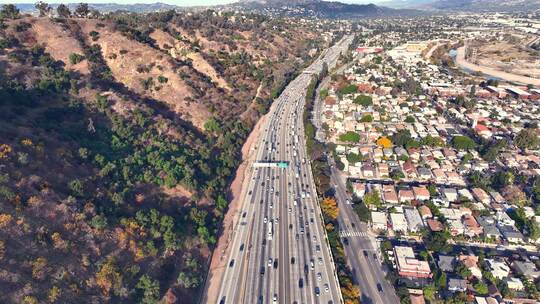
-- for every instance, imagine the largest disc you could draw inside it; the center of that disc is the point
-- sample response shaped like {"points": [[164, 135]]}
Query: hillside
{"points": [[466, 5], [119, 137]]}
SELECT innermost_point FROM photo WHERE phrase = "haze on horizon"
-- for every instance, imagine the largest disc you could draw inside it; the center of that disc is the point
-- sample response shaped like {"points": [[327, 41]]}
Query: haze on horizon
{"points": [[173, 2]]}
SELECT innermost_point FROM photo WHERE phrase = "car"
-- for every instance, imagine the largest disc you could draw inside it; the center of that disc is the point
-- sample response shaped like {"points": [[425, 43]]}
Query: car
{"points": [[265, 220], [249, 193], [244, 214], [274, 299], [264, 242], [262, 270], [312, 265], [379, 287], [301, 283], [290, 226], [311, 220], [271, 205], [317, 291], [365, 253], [242, 247], [348, 201], [319, 276], [222, 301], [231, 263], [326, 288], [345, 241], [297, 237], [318, 248], [270, 262], [262, 201], [375, 256], [314, 239], [320, 260], [275, 263]]}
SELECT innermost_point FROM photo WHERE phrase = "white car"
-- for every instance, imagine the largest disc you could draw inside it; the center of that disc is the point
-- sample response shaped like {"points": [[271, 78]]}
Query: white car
{"points": [[265, 220], [320, 261], [326, 288], [319, 276], [270, 262]]}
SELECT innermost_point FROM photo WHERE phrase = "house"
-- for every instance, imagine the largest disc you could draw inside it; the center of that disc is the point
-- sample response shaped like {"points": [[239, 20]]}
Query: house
{"points": [[498, 268], [514, 284], [424, 173], [471, 262], [450, 194], [446, 263], [435, 225], [472, 228], [359, 189], [406, 195], [409, 169], [414, 219], [425, 212], [408, 265], [368, 170], [511, 234], [526, 268], [457, 285], [481, 196], [486, 300], [399, 223], [390, 196], [489, 227], [379, 221], [421, 193], [455, 227], [417, 299]]}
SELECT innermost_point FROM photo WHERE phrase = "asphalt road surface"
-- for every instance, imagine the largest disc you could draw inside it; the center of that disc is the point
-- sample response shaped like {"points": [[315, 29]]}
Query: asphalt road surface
{"points": [[279, 249]]}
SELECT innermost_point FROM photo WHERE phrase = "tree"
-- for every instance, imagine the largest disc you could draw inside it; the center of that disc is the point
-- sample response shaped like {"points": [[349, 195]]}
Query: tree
{"points": [[353, 158], [429, 292], [441, 280], [401, 137], [9, 11], [410, 119], [366, 118], [463, 271], [373, 198], [75, 58], [527, 139], [63, 11], [82, 10], [384, 142], [109, 278], [462, 142], [363, 100], [329, 208], [43, 8], [481, 288], [150, 289], [212, 125], [350, 137]]}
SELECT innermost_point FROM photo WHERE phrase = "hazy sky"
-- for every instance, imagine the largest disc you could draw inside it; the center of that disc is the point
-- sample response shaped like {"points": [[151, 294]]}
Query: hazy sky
{"points": [[177, 2]]}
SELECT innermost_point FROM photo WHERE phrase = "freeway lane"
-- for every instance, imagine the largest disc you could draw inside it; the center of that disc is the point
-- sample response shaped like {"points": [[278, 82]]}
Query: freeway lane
{"points": [[279, 250]]}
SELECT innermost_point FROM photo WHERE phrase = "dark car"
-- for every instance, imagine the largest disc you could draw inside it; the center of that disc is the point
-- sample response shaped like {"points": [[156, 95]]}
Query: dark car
{"points": [[222, 301], [301, 283], [292, 260], [379, 287], [275, 263], [345, 241], [365, 254], [231, 263], [317, 291], [262, 270]]}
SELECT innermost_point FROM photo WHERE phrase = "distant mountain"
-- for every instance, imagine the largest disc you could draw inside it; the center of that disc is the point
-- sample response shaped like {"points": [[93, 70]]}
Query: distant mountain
{"points": [[466, 5], [109, 7], [327, 9]]}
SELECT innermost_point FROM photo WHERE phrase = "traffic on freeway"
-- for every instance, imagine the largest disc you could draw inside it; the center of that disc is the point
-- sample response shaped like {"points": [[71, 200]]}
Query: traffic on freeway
{"points": [[279, 247]]}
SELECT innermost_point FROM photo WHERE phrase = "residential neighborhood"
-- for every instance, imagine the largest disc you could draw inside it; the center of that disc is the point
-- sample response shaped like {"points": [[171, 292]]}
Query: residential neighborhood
{"points": [[444, 166]]}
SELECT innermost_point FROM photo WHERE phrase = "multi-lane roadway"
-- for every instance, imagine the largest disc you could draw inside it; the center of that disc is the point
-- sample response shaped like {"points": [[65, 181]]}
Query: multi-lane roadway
{"points": [[279, 249]]}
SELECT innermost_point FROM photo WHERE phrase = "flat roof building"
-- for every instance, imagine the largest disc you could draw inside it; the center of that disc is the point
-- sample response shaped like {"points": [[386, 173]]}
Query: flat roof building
{"points": [[408, 265]]}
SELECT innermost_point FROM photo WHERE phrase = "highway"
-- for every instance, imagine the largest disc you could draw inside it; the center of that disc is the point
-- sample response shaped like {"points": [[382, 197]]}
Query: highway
{"points": [[279, 249]]}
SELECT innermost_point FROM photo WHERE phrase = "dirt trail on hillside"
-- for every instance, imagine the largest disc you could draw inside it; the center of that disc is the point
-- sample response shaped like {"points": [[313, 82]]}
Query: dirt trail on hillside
{"points": [[238, 192]]}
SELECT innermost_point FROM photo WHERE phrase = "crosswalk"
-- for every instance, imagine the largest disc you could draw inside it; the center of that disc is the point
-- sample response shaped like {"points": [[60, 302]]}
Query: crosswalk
{"points": [[349, 233]]}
